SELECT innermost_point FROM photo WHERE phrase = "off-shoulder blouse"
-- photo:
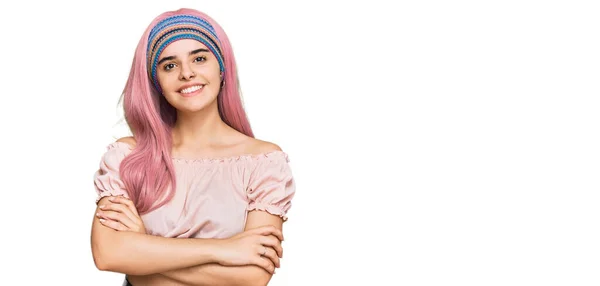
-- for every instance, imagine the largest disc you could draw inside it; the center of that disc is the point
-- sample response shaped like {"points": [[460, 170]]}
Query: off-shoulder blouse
{"points": [[213, 195]]}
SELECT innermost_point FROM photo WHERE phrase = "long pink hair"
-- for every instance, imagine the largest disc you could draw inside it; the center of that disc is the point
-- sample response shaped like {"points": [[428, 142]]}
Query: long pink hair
{"points": [[148, 172]]}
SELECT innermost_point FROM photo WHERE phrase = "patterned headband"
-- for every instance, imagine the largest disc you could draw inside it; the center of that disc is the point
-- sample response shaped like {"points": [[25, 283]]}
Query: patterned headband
{"points": [[176, 28]]}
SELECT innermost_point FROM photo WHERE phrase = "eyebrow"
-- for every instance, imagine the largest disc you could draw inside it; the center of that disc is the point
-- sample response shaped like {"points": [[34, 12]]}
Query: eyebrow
{"points": [[173, 57]]}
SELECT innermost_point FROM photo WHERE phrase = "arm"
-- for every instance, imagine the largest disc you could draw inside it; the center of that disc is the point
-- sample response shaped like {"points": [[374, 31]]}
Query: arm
{"points": [[215, 274], [246, 248], [130, 252]]}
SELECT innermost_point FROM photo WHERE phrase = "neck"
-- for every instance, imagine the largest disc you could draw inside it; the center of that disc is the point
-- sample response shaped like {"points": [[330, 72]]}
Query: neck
{"points": [[201, 128]]}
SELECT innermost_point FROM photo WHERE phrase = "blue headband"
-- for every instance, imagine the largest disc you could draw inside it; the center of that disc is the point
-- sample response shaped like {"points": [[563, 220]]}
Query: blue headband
{"points": [[176, 28]]}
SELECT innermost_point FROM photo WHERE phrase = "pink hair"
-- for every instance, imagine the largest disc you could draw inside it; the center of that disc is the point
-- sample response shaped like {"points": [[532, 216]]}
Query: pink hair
{"points": [[148, 171]]}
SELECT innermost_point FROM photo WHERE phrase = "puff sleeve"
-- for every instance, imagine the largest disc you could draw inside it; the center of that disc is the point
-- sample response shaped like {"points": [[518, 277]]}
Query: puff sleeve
{"points": [[107, 181], [271, 185]]}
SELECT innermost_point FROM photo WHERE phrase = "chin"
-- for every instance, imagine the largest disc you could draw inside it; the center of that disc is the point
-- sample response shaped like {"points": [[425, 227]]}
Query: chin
{"points": [[194, 106]]}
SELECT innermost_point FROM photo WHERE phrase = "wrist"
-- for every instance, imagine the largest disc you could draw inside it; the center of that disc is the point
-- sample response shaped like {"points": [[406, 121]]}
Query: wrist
{"points": [[212, 248]]}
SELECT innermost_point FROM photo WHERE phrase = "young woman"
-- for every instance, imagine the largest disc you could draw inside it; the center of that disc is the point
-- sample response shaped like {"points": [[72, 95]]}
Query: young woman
{"points": [[192, 198]]}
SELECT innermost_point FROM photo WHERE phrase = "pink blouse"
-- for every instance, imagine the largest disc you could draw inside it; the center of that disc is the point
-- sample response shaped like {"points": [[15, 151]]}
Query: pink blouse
{"points": [[212, 196]]}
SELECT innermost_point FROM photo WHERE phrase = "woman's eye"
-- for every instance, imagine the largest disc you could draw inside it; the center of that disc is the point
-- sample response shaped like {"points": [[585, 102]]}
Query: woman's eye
{"points": [[200, 59], [169, 66]]}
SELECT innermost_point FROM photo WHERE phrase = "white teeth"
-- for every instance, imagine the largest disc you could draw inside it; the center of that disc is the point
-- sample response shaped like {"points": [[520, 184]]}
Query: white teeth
{"points": [[191, 89]]}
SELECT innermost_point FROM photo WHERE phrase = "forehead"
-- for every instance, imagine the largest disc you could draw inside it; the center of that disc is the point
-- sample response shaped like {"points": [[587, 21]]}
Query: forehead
{"points": [[182, 47]]}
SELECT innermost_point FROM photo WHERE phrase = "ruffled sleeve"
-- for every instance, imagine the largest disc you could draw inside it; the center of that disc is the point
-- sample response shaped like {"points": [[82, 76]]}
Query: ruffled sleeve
{"points": [[107, 181], [271, 185]]}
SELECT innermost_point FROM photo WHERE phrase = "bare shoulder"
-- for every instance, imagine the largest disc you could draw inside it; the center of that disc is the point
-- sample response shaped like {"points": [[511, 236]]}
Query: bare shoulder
{"points": [[129, 140], [261, 146]]}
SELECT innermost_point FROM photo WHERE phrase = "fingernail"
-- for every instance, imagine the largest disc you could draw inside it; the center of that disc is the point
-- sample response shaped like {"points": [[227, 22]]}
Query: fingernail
{"points": [[98, 214], [102, 220], [102, 206]]}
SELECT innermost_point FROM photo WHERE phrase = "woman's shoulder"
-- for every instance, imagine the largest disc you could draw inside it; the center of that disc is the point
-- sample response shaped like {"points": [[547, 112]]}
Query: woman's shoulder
{"points": [[116, 151], [258, 146], [127, 140], [121, 145], [250, 146], [266, 152]]}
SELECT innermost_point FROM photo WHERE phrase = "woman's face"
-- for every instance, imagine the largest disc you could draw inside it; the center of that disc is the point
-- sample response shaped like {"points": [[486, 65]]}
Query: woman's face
{"points": [[189, 75]]}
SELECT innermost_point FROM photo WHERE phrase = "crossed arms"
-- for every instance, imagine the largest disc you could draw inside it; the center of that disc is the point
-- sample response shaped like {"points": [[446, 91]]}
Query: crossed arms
{"points": [[248, 258]]}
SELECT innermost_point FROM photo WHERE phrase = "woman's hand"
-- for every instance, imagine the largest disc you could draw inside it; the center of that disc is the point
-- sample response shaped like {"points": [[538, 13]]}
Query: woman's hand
{"points": [[260, 246], [121, 215]]}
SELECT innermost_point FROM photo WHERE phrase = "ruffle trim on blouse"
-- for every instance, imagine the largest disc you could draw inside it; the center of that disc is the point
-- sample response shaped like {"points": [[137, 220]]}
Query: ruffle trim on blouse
{"points": [[109, 193], [270, 155], [118, 144], [272, 209]]}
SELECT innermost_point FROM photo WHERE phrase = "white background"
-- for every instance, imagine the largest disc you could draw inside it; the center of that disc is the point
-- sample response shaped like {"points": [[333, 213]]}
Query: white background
{"points": [[433, 142]]}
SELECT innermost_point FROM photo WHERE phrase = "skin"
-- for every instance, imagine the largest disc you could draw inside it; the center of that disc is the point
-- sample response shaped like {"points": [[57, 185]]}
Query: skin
{"points": [[198, 132]]}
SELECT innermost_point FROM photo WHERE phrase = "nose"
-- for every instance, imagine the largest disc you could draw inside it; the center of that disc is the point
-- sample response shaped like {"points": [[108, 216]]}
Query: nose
{"points": [[186, 73]]}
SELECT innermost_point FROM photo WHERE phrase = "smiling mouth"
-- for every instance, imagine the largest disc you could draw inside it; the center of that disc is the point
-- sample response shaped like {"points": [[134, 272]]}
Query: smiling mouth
{"points": [[191, 89]]}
